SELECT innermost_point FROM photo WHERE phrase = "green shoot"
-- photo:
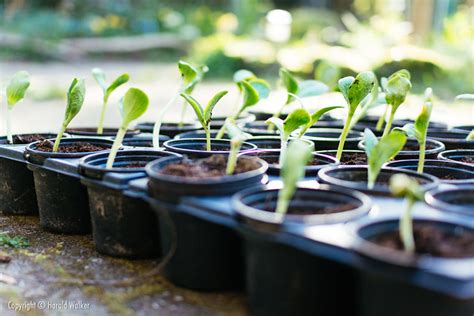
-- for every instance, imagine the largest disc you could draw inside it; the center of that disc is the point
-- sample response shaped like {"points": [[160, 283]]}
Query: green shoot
{"points": [[237, 137], [470, 136], [202, 70], [354, 90], [293, 169], [419, 129], [405, 186], [75, 99], [380, 151], [314, 118], [189, 76], [296, 119], [204, 115], [134, 104], [396, 91], [13, 242], [99, 76], [16, 90], [374, 99], [381, 121]]}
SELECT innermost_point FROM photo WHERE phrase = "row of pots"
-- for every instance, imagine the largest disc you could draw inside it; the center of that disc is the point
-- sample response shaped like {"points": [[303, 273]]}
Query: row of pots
{"points": [[218, 239]]}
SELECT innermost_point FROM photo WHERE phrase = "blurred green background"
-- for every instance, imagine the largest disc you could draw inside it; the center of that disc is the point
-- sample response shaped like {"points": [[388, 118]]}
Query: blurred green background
{"points": [[434, 39]]}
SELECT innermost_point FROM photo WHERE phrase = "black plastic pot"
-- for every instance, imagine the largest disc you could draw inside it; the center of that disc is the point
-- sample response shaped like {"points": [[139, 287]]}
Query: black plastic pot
{"points": [[458, 200], [282, 279], [434, 147], [328, 138], [346, 154], [355, 178], [432, 126], [199, 134], [453, 139], [467, 128], [62, 200], [122, 225], [259, 128], [196, 147], [168, 129], [389, 294], [143, 141], [262, 116], [218, 121], [92, 132], [465, 156], [446, 171], [17, 190], [272, 142], [272, 156]]}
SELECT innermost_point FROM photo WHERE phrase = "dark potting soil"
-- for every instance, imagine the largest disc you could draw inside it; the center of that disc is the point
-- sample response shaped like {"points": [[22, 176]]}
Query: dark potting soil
{"points": [[416, 147], [350, 159], [448, 177], [77, 147], [432, 240], [213, 166], [274, 160], [27, 139], [313, 210], [134, 165], [467, 160]]}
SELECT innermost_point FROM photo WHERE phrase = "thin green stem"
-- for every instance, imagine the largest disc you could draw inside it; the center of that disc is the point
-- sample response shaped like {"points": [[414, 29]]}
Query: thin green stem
{"points": [[161, 115], [342, 140], [371, 178], [277, 114], [421, 158], [232, 160], [382, 119], [9, 126], [282, 203], [100, 128], [208, 138], [115, 147], [406, 227], [57, 142], [283, 147], [183, 114], [388, 126]]}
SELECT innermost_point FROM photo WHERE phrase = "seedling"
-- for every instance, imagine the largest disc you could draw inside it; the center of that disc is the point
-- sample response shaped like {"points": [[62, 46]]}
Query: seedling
{"points": [[470, 136], [419, 130], [204, 115], [314, 118], [189, 78], [99, 76], [237, 138], [201, 71], [382, 118], [396, 90], [374, 99], [405, 186], [13, 242], [293, 169], [296, 119], [75, 99], [134, 104], [354, 90], [252, 90], [16, 90], [306, 88], [380, 151]]}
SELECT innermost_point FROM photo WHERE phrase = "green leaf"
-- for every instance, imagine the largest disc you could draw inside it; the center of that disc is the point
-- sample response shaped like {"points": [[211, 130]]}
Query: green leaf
{"points": [[470, 136], [120, 80], [196, 107], [135, 103], [294, 120], [277, 122], [410, 130], [75, 99], [17, 87], [99, 76], [234, 132], [370, 140], [344, 85], [309, 88], [422, 121], [404, 186], [327, 73], [319, 113], [211, 104], [188, 75], [251, 96], [289, 82], [397, 88], [262, 87], [202, 70], [243, 74], [360, 88]]}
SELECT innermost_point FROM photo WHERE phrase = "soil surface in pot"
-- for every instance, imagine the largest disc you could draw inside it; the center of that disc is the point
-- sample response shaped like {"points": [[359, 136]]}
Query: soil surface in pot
{"points": [[275, 161], [213, 166], [416, 147], [312, 210], [77, 147], [27, 139], [467, 160], [432, 240], [350, 159], [133, 165]]}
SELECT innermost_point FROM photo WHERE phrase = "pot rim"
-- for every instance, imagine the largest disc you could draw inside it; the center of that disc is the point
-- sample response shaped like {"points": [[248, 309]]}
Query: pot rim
{"points": [[329, 130], [168, 145], [445, 155], [4, 138], [431, 198], [439, 147]]}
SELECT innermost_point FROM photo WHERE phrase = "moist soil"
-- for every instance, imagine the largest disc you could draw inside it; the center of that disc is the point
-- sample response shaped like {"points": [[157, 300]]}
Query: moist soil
{"points": [[350, 159], [134, 165], [77, 147], [274, 160], [308, 210], [432, 240], [213, 166], [467, 160], [416, 147], [448, 177], [27, 139]]}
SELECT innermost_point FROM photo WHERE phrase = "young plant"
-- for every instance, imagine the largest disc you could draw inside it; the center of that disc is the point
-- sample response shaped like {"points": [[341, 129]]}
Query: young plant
{"points": [[296, 119], [16, 90], [419, 129], [99, 76], [252, 91], [204, 115], [314, 118], [381, 121], [470, 136], [189, 78], [405, 186], [237, 137], [306, 88], [293, 169], [134, 104], [201, 71], [354, 90], [75, 99], [380, 151], [374, 99], [396, 90]]}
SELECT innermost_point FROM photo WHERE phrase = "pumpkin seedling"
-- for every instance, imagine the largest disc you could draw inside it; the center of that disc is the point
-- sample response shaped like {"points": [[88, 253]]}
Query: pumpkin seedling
{"points": [[16, 90], [204, 115], [396, 90], [201, 71], [189, 79], [302, 89], [237, 137], [293, 169], [380, 151], [99, 76], [75, 99], [296, 119], [134, 104], [404, 186], [419, 129], [354, 90], [373, 100], [252, 91], [314, 118]]}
